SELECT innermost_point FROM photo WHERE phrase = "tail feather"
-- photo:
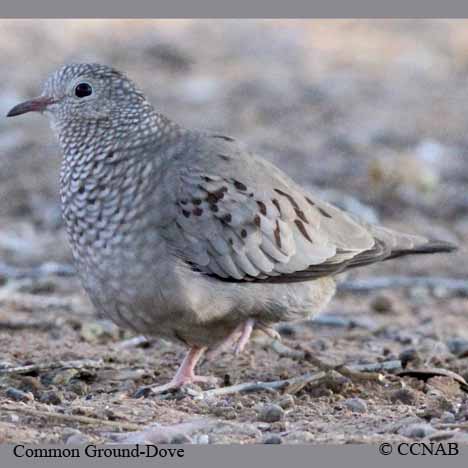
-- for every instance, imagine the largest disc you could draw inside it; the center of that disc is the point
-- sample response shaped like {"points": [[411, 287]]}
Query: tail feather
{"points": [[429, 247]]}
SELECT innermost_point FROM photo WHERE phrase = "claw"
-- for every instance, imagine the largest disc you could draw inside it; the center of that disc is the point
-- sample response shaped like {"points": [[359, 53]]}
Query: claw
{"points": [[185, 375]]}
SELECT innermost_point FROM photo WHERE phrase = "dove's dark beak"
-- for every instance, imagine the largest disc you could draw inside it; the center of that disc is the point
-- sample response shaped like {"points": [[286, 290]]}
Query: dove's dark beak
{"points": [[38, 104]]}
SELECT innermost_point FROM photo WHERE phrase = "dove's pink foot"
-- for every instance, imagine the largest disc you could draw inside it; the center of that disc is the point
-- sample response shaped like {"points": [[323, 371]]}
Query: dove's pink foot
{"points": [[185, 374]]}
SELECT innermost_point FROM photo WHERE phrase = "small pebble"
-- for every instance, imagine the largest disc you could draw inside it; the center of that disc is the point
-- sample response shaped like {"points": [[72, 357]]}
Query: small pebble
{"points": [[203, 439], [78, 439], [273, 439], [417, 431], [300, 437], [286, 402], [64, 377], [51, 397], [382, 304], [271, 413], [458, 346], [100, 331], [447, 417], [409, 355], [19, 395], [406, 396], [356, 405]]}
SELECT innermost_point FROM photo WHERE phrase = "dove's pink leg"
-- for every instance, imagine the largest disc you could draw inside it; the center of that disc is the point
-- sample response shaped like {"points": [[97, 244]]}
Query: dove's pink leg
{"points": [[185, 374], [237, 338]]}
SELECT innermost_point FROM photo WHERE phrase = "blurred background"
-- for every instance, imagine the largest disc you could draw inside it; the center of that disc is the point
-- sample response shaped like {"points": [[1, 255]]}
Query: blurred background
{"points": [[372, 115]]}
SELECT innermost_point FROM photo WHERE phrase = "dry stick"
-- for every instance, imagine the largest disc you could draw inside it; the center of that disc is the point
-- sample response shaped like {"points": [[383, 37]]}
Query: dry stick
{"points": [[33, 302], [302, 380], [82, 364], [459, 286], [27, 324], [72, 418], [46, 269]]}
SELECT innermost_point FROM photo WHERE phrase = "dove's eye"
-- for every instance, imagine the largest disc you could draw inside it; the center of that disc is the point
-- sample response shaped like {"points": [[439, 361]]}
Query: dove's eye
{"points": [[83, 89]]}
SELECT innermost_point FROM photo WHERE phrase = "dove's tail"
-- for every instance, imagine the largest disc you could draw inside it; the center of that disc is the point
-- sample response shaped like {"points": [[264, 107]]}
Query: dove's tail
{"points": [[429, 247], [400, 244]]}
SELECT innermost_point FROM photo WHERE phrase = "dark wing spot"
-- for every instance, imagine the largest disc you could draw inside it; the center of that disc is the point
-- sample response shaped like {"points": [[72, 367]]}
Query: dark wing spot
{"points": [[183, 202], [300, 214], [110, 154], [207, 179], [323, 212], [196, 201], [214, 208], [223, 137], [91, 201], [243, 233], [302, 229], [309, 201], [227, 218], [289, 197], [277, 235], [211, 198], [257, 221], [262, 207], [81, 189], [224, 157], [197, 211], [239, 185], [186, 213], [277, 204]]}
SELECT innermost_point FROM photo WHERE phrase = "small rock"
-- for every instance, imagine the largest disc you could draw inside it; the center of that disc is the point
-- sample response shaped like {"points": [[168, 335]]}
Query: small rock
{"points": [[356, 405], [286, 402], [447, 417], [19, 395], [51, 397], [417, 431], [78, 387], [271, 413], [273, 439], [78, 439], [458, 347], [300, 437], [64, 377], [382, 304], [181, 439], [203, 439], [409, 355], [406, 396], [100, 331]]}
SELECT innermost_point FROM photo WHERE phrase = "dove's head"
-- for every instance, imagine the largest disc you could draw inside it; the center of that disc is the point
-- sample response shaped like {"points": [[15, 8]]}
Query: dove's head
{"points": [[81, 93]]}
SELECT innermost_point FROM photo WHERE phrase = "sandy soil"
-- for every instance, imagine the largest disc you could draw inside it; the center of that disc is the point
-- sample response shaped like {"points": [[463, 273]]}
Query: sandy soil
{"points": [[371, 114]]}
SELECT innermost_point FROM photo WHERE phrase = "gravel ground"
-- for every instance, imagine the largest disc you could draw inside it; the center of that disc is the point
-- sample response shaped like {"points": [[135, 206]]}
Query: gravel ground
{"points": [[372, 114]]}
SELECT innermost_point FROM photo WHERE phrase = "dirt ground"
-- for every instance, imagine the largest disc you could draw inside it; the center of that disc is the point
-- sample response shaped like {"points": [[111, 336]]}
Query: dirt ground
{"points": [[371, 114]]}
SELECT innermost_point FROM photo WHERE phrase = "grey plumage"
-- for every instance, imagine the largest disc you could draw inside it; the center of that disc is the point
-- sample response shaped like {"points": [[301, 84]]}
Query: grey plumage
{"points": [[185, 234]]}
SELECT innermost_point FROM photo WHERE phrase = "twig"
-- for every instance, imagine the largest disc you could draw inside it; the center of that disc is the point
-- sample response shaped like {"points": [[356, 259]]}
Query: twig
{"points": [[460, 425], [46, 269], [330, 320], [83, 364], [375, 367], [132, 342], [302, 380], [26, 324], [71, 418], [286, 351], [454, 285], [32, 302]]}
